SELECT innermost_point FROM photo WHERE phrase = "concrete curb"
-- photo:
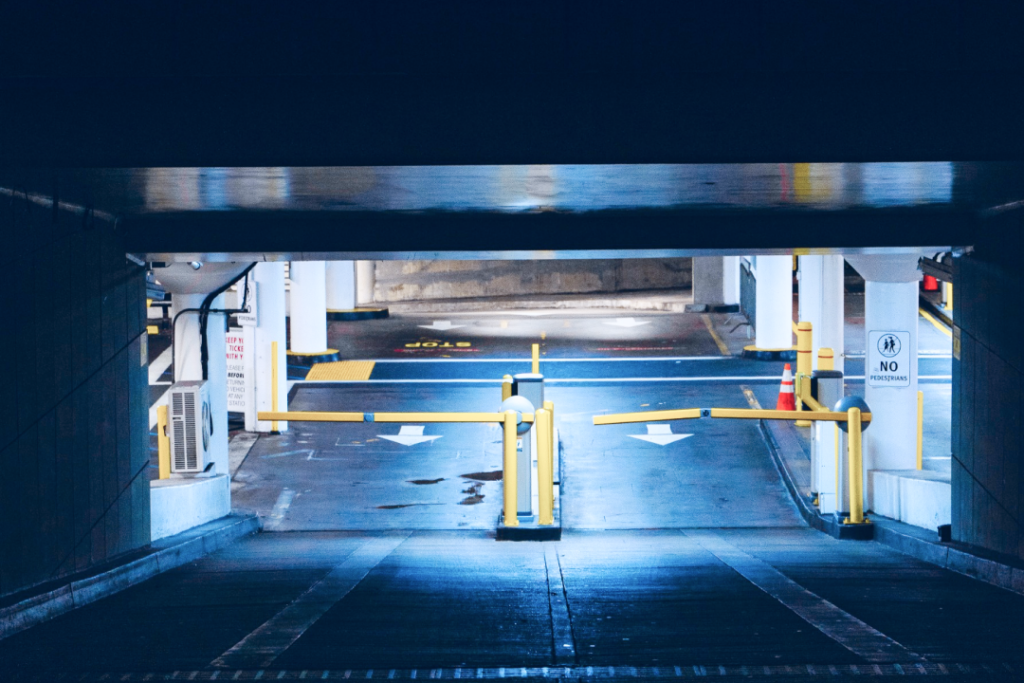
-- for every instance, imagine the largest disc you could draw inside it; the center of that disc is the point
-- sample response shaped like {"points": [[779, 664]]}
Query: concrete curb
{"points": [[954, 557], [164, 554], [907, 539]]}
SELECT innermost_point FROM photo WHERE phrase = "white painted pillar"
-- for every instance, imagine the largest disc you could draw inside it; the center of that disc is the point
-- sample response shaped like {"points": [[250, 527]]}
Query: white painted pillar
{"points": [[188, 366], [187, 362], [773, 324], [364, 282], [716, 280], [270, 314], [891, 442], [308, 307], [730, 280], [341, 285], [833, 310], [891, 306], [821, 303]]}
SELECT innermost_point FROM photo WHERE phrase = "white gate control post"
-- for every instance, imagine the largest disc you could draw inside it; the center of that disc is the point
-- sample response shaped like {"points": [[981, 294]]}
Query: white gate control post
{"points": [[531, 387], [829, 386]]}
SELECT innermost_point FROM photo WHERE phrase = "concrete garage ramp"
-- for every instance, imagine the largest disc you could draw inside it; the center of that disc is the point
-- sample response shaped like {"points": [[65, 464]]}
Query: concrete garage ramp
{"points": [[720, 475], [322, 476], [350, 476]]}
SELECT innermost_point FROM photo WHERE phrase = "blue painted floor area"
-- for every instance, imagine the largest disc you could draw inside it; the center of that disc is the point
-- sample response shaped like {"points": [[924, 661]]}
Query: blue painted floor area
{"points": [[726, 368]]}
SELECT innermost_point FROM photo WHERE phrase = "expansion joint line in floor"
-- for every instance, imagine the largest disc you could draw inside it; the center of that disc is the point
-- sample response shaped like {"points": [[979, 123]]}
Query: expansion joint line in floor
{"points": [[260, 648], [563, 639], [839, 625]]}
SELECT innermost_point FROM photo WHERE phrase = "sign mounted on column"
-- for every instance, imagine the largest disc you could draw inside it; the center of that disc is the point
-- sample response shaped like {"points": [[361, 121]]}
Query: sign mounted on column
{"points": [[888, 359]]}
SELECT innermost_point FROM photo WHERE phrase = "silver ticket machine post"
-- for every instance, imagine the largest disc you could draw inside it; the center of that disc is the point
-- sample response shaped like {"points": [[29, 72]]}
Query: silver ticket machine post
{"points": [[531, 387], [827, 388]]}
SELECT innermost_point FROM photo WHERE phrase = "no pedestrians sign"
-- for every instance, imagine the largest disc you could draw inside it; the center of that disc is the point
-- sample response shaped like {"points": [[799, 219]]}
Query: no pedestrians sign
{"points": [[888, 359]]}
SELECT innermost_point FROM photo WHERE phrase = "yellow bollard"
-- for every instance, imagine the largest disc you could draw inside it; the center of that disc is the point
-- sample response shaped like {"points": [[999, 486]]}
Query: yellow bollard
{"points": [[550, 407], [826, 359], [510, 441], [920, 430], [804, 365], [535, 369], [163, 443], [506, 387], [855, 466], [273, 383], [545, 468]]}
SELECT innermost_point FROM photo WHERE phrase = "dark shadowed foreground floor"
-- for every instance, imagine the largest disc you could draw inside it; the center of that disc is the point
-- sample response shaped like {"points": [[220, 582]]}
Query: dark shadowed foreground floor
{"points": [[782, 603]]}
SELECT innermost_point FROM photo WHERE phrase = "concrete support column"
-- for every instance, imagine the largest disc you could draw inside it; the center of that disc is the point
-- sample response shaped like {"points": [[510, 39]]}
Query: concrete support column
{"points": [[821, 303], [270, 316], [773, 324], [341, 285], [188, 365], [716, 282], [308, 306], [891, 310], [364, 282]]}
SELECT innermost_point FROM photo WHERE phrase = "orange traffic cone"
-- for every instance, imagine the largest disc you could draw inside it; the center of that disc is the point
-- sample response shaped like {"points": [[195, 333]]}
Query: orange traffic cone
{"points": [[787, 399]]}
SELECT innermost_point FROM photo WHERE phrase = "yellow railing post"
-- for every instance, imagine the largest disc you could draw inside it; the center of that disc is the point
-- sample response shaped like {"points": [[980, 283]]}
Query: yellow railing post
{"points": [[510, 442], [826, 359], [163, 443], [804, 365], [273, 383], [506, 387], [855, 467], [545, 468], [535, 368], [920, 430]]}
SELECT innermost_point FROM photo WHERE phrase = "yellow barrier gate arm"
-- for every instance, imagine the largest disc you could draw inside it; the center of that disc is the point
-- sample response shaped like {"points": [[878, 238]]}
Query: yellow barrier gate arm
{"points": [[729, 413], [310, 416]]}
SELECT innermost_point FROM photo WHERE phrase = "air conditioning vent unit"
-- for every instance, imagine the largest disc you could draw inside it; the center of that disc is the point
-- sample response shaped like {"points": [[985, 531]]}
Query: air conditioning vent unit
{"points": [[191, 426]]}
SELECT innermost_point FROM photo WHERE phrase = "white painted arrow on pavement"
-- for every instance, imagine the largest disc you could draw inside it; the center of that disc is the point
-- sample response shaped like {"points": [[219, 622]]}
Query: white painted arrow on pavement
{"points": [[441, 325], [409, 435], [628, 322], [660, 434]]}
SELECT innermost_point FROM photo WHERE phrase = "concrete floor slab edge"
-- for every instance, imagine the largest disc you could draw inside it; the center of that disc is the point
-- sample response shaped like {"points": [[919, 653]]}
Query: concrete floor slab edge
{"points": [[903, 538], [169, 553]]}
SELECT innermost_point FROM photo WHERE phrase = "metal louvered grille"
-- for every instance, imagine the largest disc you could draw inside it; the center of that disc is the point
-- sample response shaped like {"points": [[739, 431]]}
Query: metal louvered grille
{"points": [[178, 427], [191, 456], [188, 451]]}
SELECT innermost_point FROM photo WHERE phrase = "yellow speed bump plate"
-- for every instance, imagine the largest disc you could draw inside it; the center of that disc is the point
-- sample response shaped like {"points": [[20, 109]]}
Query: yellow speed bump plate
{"points": [[351, 370]]}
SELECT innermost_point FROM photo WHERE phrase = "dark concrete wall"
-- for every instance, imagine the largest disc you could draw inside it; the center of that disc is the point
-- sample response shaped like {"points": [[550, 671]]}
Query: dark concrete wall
{"points": [[74, 406], [988, 378], [419, 280]]}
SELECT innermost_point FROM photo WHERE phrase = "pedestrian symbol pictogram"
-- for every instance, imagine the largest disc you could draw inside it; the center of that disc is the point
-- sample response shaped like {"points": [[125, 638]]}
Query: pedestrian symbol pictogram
{"points": [[888, 362]]}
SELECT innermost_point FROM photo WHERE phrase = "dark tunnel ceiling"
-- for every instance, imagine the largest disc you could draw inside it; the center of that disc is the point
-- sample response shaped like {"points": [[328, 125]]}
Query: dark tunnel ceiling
{"points": [[430, 211]]}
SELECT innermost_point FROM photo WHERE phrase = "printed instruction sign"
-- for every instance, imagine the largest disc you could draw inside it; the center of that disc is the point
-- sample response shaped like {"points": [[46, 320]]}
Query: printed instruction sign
{"points": [[888, 362], [236, 370]]}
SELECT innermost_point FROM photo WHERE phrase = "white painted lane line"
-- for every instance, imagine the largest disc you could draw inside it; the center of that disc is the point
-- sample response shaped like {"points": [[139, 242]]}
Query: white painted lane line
{"points": [[563, 639], [441, 325], [260, 648], [159, 364], [627, 322], [842, 627], [657, 359], [284, 501]]}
